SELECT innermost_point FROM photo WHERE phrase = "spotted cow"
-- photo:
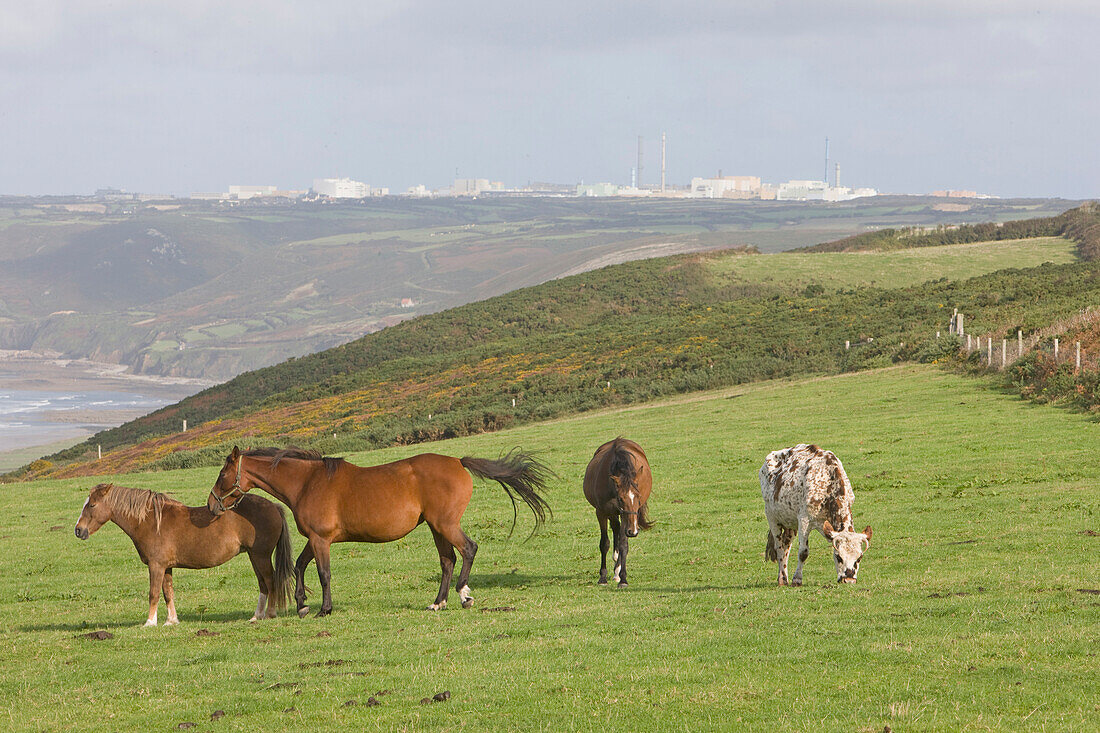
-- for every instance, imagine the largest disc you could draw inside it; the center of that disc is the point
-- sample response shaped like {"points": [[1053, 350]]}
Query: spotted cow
{"points": [[806, 488]]}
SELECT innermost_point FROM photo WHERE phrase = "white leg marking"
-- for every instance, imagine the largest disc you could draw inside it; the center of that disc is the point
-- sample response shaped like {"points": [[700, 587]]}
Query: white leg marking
{"points": [[260, 605], [464, 592], [618, 567], [615, 557], [437, 606], [152, 620]]}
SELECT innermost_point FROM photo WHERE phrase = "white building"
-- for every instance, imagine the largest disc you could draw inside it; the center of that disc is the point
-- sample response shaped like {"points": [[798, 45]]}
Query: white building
{"points": [[739, 187], [341, 188], [243, 193], [801, 191], [470, 186]]}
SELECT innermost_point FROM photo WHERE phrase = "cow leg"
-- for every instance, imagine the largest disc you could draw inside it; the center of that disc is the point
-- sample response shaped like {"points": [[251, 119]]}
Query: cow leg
{"points": [[300, 579], [170, 598], [803, 549], [783, 538], [605, 545], [618, 556], [447, 563]]}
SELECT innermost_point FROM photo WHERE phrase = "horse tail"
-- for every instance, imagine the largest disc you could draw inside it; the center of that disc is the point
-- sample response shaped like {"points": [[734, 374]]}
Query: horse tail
{"points": [[284, 566], [770, 555], [644, 522], [519, 473]]}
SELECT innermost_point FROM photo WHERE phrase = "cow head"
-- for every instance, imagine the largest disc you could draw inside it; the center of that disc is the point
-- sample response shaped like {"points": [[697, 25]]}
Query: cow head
{"points": [[848, 549]]}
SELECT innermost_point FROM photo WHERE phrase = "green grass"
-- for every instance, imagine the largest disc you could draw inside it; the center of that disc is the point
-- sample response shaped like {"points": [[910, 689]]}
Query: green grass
{"points": [[898, 268], [967, 613]]}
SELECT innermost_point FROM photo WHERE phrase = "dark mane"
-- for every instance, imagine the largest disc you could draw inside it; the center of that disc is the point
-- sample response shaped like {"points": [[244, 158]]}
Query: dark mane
{"points": [[622, 465], [622, 462], [278, 454]]}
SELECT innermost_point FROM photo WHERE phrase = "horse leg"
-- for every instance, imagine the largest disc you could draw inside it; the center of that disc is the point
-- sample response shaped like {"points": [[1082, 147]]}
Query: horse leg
{"points": [[618, 554], [265, 578], [300, 579], [170, 598], [467, 548], [156, 583], [447, 563], [605, 545], [324, 573]]}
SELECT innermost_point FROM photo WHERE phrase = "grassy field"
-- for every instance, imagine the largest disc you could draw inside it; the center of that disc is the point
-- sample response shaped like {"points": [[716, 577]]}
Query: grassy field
{"points": [[976, 607], [897, 268]]}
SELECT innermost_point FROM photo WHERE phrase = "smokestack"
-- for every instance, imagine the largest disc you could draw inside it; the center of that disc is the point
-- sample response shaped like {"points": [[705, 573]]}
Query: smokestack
{"points": [[662, 162], [639, 183]]}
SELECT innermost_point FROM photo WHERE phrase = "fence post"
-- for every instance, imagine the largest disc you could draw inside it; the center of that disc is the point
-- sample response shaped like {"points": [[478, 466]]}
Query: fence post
{"points": [[185, 426], [989, 351], [1055, 349], [968, 343], [959, 326], [937, 335], [1004, 352], [847, 345], [1078, 367], [99, 450], [1019, 343]]}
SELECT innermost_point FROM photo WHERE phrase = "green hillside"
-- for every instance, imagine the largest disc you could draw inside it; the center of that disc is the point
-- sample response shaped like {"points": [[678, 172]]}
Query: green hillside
{"points": [[211, 290], [976, 606], [621, 335]]}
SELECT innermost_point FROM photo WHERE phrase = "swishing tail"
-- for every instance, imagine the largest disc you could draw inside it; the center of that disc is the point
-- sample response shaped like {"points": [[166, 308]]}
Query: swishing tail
{"points": [[519, 473], [770, 555], [644, 522], [284, 567]]}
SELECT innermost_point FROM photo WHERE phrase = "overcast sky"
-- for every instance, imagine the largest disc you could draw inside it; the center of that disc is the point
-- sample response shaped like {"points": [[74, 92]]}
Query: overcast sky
{"points": [[999, 96]]}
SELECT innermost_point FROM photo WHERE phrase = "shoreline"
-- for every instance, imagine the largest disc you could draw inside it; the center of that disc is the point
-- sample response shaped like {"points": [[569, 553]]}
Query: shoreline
{"points": [[55, 429]]}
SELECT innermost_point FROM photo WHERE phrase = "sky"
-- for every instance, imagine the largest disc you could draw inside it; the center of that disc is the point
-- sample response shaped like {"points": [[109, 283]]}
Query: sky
{"points": [[997, 96]]}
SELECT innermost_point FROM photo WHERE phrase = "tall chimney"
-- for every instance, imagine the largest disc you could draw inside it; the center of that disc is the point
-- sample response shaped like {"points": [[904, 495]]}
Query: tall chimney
{"points": [[662, 162]]}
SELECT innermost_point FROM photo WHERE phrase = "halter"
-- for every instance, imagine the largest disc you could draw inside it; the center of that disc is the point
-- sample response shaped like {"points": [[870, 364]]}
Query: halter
{"points": [[234, 489]]}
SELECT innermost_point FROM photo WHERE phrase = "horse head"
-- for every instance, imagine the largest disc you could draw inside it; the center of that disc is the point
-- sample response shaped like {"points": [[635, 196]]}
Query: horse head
{"points": [[231, 485], [628, 502], [96, 512]]}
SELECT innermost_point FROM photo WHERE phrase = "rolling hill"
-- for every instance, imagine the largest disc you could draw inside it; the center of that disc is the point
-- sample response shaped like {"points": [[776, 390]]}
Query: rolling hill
{"points": [[620, 335], [210, 291]]}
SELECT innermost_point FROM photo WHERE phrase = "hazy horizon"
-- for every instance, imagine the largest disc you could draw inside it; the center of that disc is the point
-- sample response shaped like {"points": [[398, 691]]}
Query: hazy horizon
{"points": [[913, 96]]}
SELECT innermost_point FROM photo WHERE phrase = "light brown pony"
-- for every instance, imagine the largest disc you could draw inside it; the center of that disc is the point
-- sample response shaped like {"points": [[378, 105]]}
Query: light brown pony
{"points": [[336, 501], [617, 483], [169, 535]]}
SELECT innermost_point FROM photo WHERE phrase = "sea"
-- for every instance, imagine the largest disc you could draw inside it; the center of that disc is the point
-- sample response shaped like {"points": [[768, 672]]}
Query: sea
{"points": [[39, 417]]}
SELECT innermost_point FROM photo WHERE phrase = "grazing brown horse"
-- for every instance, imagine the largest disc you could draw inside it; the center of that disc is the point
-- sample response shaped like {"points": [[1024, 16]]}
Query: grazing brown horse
{"points": [[617, 483], [169, 535], [337, 501]]}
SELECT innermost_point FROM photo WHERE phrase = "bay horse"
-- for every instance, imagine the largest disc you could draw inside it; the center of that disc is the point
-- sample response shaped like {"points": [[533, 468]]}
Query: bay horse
{"points": [[168, 534], [617, 483], [336, 501]]}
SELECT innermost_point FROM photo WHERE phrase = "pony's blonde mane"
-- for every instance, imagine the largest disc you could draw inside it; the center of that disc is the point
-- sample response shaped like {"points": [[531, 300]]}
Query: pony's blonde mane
{"points": [[136, 503]]}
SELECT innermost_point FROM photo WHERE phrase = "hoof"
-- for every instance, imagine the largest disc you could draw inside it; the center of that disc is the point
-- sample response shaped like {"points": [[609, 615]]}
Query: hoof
{"points": [[147, 624], [622, 583], [437, 606], [467, 602], [303, 611], [782, 582], [172, 622], [254, 619], [601, 581], [796, 583], [323, 612]]}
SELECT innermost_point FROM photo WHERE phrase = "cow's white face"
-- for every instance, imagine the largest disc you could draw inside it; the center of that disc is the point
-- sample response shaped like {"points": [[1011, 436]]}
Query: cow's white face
{"points": [[848, 549]]}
